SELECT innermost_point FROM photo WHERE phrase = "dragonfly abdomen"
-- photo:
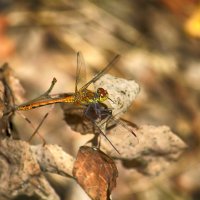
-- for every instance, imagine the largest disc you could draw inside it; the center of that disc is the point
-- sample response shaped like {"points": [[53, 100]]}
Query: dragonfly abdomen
{"points": [[69, 99]]}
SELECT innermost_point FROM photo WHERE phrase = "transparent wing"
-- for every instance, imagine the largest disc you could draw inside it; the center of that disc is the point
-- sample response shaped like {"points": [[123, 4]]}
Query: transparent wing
{"points": [[102, 72], [80, 72], [123, 135]]}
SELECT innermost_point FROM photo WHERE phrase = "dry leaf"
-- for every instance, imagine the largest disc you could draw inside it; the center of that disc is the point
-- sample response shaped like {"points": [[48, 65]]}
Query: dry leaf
{"points": [[13, 89], [15, 85], [75, 119], [10, 91], [21, 173], [95, 172], [52, 158], [122, 92], [156, 149]]}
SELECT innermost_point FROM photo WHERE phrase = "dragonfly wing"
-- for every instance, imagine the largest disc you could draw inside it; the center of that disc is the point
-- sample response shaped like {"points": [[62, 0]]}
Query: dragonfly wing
{"points": [[80, 72], [102, 72], [123, 136]]}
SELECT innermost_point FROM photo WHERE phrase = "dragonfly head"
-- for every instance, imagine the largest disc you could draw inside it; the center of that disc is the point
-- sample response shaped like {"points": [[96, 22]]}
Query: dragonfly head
{"points": [[102, 94]]}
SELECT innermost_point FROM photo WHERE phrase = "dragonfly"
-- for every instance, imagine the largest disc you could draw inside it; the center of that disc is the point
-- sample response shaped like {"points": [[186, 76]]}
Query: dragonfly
{"points": [[93, 101], [82, 96]]}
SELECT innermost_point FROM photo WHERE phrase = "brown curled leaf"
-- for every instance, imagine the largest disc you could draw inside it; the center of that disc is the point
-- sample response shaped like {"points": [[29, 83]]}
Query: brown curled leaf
{"points": [[95, 172], [73, 116], [10, 90]]}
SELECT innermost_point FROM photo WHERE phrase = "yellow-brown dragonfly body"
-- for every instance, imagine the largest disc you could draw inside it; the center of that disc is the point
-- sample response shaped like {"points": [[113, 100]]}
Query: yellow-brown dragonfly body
{"points": [[82, 96]]}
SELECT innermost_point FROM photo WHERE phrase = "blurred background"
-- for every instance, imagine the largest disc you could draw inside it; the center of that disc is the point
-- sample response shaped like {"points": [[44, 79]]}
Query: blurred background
{"points": [[159, 44]]}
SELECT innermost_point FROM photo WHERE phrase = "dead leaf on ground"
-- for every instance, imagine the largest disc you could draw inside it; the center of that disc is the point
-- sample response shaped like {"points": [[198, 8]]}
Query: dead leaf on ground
{"points": [[10, 91], [157, 148], [95, 172], [75, 119], [21, 173]]}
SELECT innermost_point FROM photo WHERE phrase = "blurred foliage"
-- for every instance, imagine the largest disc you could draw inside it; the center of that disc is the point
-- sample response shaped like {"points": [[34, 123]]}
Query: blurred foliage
{"points": [[159, 46]]}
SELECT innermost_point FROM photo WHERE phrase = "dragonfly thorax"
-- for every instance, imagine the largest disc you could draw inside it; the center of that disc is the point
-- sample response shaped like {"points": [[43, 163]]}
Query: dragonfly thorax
{"points": [[102, 94], [87, 96]]}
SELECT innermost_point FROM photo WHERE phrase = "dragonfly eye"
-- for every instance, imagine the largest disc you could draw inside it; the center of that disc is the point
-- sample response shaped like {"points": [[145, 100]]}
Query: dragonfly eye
{"points": [[103, 94]]}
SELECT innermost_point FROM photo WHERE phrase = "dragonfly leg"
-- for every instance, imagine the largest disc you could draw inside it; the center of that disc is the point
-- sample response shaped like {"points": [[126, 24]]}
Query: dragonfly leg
{"points": [[36, 130], [97, 110], [38, 127], [93, 114], [40, 124], [101, 132]]}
